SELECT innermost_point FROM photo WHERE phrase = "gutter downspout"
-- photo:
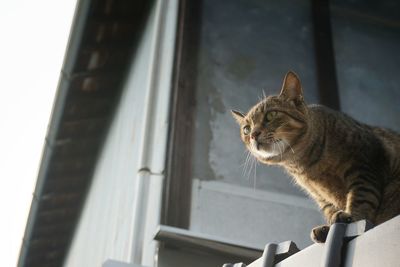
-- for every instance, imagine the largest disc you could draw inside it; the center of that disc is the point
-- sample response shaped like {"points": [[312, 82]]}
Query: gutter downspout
{"points": [[150, 175]]}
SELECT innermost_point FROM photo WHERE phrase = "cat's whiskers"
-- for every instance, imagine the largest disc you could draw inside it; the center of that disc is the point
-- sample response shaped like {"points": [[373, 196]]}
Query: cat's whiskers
{"points": [[279, 148], [282, 150], [245, 163], [246, 154], [252, 165], [286, 142], [246, 169], [253, 160], [289, 133], [284, 124], [255, 173]]}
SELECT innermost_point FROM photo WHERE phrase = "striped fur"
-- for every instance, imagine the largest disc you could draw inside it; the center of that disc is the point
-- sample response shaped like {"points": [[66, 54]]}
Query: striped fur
{"points": [[352, 170]]}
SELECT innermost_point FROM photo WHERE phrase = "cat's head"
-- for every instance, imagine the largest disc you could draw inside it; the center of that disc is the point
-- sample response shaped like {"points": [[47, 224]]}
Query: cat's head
{"points": [[271, 128]]}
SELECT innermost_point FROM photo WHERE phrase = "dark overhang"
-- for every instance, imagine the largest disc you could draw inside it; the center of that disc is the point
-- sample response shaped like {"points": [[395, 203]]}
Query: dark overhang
{"points": [[99, 52]]}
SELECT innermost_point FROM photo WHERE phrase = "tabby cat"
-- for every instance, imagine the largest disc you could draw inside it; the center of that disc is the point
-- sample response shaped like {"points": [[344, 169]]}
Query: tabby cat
{"points": [[352, 170]]}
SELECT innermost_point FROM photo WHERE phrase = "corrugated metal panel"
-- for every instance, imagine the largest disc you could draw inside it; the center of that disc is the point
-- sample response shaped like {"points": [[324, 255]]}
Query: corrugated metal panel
{"points": [[107, 220], [123, 206]]}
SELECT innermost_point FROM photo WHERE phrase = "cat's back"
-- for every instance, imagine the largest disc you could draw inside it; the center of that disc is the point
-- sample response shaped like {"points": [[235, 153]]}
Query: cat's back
{"points": [[380, 143], [391, 142], [339, 126], [389, 138], [329, 117], [390, 205], [355, 140]]}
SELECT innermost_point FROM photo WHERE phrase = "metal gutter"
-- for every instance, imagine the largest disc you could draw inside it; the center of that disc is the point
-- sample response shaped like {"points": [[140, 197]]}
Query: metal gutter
{"points": [[74, 41], [150, 176]]}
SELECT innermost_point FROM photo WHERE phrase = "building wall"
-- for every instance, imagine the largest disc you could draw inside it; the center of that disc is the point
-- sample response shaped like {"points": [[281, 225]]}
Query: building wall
{"points": [[245, 48], [123, 206], [106, 225]]}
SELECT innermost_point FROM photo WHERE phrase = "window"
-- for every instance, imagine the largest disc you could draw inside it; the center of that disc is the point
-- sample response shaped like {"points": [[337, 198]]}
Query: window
{"points": [[229, 54]]}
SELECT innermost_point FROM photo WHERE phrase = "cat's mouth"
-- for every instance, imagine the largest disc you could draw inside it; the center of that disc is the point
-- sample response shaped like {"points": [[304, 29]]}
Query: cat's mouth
{"points": [[269, 149], [257, 145]]}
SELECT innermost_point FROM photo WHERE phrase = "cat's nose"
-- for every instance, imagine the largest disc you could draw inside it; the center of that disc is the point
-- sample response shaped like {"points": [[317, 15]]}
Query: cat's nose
{"points": [[255, 134]]}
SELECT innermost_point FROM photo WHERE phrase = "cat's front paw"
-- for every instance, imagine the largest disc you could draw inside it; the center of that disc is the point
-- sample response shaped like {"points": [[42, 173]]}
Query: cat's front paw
{"points": [[341, 217], [319, 233]]}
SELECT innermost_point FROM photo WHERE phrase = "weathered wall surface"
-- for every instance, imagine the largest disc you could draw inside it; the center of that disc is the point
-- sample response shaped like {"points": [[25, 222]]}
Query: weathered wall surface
{"points": [[246, 48]]}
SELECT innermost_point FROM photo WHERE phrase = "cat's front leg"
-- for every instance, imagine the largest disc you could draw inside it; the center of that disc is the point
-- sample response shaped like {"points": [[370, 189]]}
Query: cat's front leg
{"points": [[341, 217], [364, 193], [329, 210], [362, 202], [318, 234]]}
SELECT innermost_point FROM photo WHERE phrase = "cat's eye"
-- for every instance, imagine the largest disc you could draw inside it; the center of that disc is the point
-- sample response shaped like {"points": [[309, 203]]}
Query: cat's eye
{"points": [[271, 115], [246, 129]]}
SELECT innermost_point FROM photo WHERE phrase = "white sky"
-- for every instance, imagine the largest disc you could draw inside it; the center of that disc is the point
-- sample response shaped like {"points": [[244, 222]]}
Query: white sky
{"points": [[33, 38]]}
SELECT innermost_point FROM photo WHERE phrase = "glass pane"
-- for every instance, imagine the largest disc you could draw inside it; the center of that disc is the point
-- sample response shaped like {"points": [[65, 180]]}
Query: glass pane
{"points": [[367, 40], [246, 48]]}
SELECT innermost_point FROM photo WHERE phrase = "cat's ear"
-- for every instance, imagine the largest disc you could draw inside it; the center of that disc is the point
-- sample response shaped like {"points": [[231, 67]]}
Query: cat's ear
{"points": [[291, 88], [237, 115]]}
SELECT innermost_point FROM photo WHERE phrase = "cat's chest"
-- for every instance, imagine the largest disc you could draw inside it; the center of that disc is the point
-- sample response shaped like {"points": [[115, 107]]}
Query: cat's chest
{"points": [[323, 186]]}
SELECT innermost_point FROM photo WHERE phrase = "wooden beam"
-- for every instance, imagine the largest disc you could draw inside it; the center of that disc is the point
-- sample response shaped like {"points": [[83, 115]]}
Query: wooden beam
{"points": [[324, 54]]}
